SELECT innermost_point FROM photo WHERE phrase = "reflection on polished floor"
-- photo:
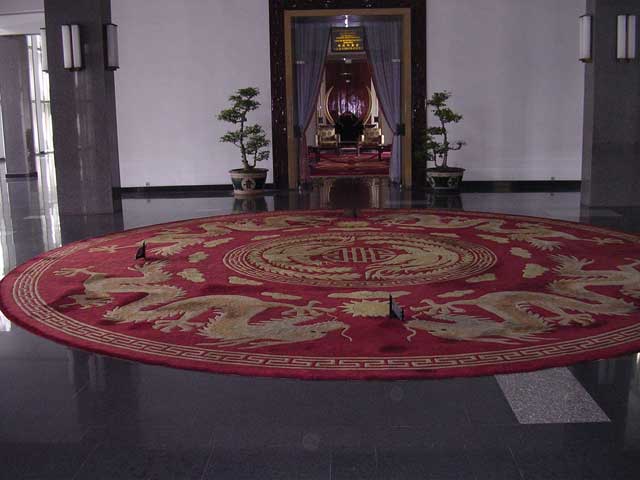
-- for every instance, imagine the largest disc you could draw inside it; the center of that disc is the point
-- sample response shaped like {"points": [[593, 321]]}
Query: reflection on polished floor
{"points": [[68, 414]]}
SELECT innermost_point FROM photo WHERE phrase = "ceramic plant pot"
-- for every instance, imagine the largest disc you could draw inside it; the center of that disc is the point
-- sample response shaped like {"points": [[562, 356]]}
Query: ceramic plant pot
{"points": [[248, 182]]}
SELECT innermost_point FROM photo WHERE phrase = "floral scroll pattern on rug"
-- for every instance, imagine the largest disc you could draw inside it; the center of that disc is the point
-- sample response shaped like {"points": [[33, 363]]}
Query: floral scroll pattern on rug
{"points": [[306, 294]]}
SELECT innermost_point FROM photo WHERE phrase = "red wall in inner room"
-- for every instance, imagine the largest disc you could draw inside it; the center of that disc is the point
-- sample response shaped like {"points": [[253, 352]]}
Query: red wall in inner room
{"points": [[350, 82]]}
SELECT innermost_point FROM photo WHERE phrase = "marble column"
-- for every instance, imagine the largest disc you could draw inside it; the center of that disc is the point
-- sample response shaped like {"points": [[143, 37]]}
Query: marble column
{"points": [[83, 111], [1, 133], [15, 97], [611, 144]]}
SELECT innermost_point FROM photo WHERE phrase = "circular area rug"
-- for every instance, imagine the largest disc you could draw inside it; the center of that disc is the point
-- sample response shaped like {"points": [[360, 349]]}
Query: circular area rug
{"points": [[306, 294]]}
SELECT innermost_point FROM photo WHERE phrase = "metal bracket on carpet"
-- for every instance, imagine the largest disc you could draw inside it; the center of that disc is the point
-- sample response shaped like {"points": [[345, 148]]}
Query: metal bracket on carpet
{"points": [[395, 310], [142, 251]]}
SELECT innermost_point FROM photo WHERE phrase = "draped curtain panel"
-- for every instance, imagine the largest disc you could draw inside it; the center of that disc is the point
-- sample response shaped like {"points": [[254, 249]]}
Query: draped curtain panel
{"points": [[384, 49], [311, 42]]}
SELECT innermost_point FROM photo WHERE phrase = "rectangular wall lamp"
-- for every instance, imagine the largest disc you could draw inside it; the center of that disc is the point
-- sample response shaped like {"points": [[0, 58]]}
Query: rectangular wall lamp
{"points": [[586, 22], [43, 46], [111, 55], [627, 39], [71, 47]]}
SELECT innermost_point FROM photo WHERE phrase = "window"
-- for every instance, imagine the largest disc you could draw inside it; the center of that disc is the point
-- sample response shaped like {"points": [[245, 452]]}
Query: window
{"points": [[40, 99]]}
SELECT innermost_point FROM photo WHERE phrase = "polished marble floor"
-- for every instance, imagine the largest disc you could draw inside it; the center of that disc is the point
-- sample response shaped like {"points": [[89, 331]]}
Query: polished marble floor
{"points": [[68, 414]]}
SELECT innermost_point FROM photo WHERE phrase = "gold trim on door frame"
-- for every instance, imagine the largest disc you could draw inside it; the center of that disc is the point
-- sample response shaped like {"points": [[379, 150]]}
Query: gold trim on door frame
{"points": [[405, 13]]}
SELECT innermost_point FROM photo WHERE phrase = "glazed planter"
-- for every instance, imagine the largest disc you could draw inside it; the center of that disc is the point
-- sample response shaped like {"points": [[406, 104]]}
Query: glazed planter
{"points": [[445, 179], [248, 182]]}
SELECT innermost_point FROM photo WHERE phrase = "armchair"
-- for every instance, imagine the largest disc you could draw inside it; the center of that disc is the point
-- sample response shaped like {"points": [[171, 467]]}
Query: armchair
{"points": [[326, 137], [371, 138]]}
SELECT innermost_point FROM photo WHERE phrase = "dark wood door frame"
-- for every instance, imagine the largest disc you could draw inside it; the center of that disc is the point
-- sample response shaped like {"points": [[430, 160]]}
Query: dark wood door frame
{"points": [[278, 74]]}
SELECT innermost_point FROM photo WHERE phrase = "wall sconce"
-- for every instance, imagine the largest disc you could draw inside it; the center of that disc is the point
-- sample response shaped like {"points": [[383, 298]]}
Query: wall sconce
{"points": [[585, 38], [112, 58], [71, 47], [627, 25], [43, 46]]}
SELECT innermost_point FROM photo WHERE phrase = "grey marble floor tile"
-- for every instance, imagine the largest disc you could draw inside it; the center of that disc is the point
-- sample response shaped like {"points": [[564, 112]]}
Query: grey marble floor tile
{"points": [[268, 463]]}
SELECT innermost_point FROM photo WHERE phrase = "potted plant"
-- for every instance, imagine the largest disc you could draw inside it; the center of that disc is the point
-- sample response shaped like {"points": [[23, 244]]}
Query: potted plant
{"points": [[250, 139], [437, 146]]}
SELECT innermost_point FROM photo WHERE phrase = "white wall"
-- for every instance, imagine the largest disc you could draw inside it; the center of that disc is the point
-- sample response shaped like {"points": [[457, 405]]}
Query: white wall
{"points": [[179, 61], [511, 64], [512, 67]]}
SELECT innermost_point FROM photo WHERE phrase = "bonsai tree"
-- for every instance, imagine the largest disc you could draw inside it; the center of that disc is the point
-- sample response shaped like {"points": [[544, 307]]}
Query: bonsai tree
{"points": [[436, 142], [250, 139]]}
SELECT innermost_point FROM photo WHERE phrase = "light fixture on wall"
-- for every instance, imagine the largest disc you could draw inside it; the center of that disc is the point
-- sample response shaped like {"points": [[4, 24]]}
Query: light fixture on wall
{"points": [[627, 42], [586, 22], [111, 55], [71, 47], [43, 46]]}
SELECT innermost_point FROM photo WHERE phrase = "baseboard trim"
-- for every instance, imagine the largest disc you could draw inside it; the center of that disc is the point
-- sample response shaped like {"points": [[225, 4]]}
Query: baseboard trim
{"points": [[178, 190], [21, 175], [490, 186], [520, 186]]}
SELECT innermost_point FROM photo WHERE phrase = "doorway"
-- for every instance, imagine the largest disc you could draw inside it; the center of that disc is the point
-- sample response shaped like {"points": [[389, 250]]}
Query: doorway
{"points": [[286, 148], [398, 59]]}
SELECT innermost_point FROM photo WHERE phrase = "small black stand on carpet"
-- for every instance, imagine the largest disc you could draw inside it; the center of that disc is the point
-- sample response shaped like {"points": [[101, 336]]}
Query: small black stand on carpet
{"points": [[395, 310], [142, 251]]}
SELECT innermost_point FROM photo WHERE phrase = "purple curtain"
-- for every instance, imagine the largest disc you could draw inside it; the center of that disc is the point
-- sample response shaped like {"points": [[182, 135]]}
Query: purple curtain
{"points": [[311, 42], [384, 49]]}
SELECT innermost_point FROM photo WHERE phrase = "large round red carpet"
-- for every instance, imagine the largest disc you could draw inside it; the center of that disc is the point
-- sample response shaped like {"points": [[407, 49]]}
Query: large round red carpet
{"points": [[305, 294]]}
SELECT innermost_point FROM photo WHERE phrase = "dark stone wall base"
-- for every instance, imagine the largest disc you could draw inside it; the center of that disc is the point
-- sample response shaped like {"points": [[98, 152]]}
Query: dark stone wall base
{"points": [[521, 186], [180, 190], [21, 175], [466, 187]]}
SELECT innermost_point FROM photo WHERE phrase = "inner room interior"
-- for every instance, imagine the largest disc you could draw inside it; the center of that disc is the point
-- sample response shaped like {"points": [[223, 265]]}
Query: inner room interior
{"points": [[335, 59], [347, 135]]}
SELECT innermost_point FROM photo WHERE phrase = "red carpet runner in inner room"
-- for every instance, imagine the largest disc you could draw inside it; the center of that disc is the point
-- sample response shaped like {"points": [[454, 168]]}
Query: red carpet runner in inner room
{"points": [[333, 165], [304, 294]]}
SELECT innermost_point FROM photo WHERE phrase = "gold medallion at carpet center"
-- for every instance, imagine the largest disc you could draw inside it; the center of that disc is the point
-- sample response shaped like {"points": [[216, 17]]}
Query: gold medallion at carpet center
{"points": [[360, 259]]}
